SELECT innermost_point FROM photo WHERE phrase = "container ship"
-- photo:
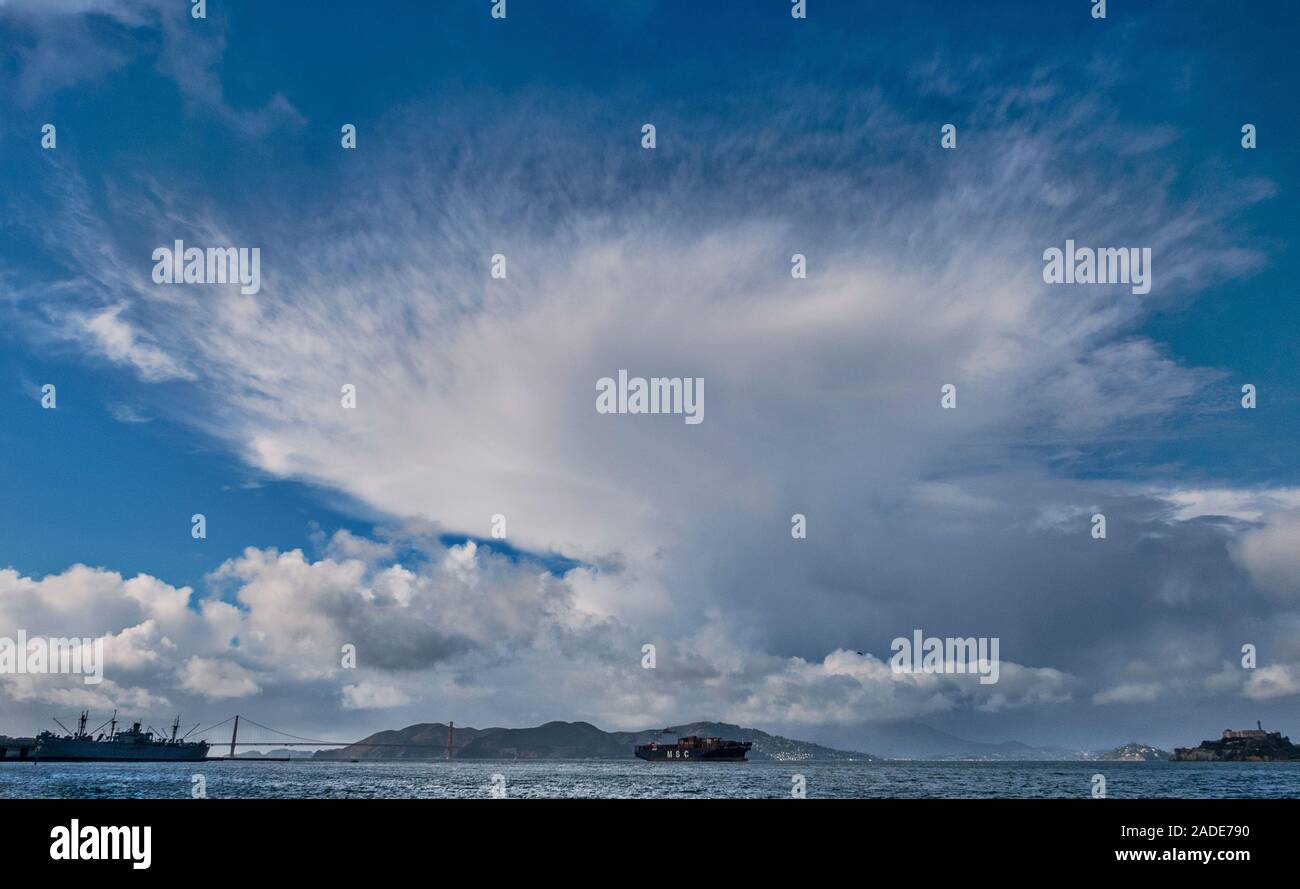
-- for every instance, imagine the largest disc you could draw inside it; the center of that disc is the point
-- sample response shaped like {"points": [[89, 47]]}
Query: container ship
{"points": [[693, 748], [129, 745]]}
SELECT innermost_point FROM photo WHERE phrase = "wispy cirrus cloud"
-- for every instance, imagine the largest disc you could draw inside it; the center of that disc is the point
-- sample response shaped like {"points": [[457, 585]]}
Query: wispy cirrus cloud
{"points": [[61, 44]]}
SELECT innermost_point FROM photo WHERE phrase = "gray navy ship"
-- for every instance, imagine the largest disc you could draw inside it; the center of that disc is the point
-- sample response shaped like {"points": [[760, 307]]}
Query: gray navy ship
{"points": [[129, 745]]}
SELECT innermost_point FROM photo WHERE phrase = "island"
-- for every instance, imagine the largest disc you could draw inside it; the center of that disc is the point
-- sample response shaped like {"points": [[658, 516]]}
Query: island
{"points": [[1242, 745]]}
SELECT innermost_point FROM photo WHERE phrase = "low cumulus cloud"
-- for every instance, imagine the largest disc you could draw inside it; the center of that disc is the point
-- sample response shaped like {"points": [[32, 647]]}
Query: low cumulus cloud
{"points": [[282, 620], [1270, 553]]}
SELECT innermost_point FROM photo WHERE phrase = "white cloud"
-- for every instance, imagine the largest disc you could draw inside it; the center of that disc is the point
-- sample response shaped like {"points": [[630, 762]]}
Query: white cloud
{"points": [[59, 49], [1246, 504], [46, 692], [126, 413], [453, 630], [1275, 681], [123, 343], [1129, 693], [496, 378], [1271, 554], [217, 679], [847, 688], [372, 696]]}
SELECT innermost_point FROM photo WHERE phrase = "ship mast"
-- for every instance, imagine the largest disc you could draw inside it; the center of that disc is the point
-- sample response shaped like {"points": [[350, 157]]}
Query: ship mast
{"points": [[112, 725], [81, 723], [176, 727]]}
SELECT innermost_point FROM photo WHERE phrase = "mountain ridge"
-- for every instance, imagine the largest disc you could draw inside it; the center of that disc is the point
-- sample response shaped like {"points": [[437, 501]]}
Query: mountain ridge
{"points": [[583, 740], [569, 740]]}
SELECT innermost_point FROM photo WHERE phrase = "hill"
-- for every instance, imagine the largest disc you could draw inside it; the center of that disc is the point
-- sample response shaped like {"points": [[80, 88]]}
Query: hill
{"points": [[1135, 752], [567, 740]]}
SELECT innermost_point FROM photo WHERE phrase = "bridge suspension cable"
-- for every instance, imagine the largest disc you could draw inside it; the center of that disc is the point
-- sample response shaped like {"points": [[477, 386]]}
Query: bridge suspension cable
{"points": [[298, 738]]}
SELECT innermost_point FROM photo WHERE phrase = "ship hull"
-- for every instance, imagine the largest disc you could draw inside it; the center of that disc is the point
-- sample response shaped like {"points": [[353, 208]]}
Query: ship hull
{"points": [[95, 751], [673, 754], [16, 749], [704, 757], [117, 758]]}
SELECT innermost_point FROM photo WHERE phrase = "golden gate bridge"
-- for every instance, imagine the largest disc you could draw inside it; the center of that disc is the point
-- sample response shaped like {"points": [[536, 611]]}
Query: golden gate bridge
{"points": [[299, 741]]}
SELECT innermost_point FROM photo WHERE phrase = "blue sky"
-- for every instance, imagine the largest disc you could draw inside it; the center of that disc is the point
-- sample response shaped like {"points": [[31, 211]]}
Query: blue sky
{"points": [[522, 136]]}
